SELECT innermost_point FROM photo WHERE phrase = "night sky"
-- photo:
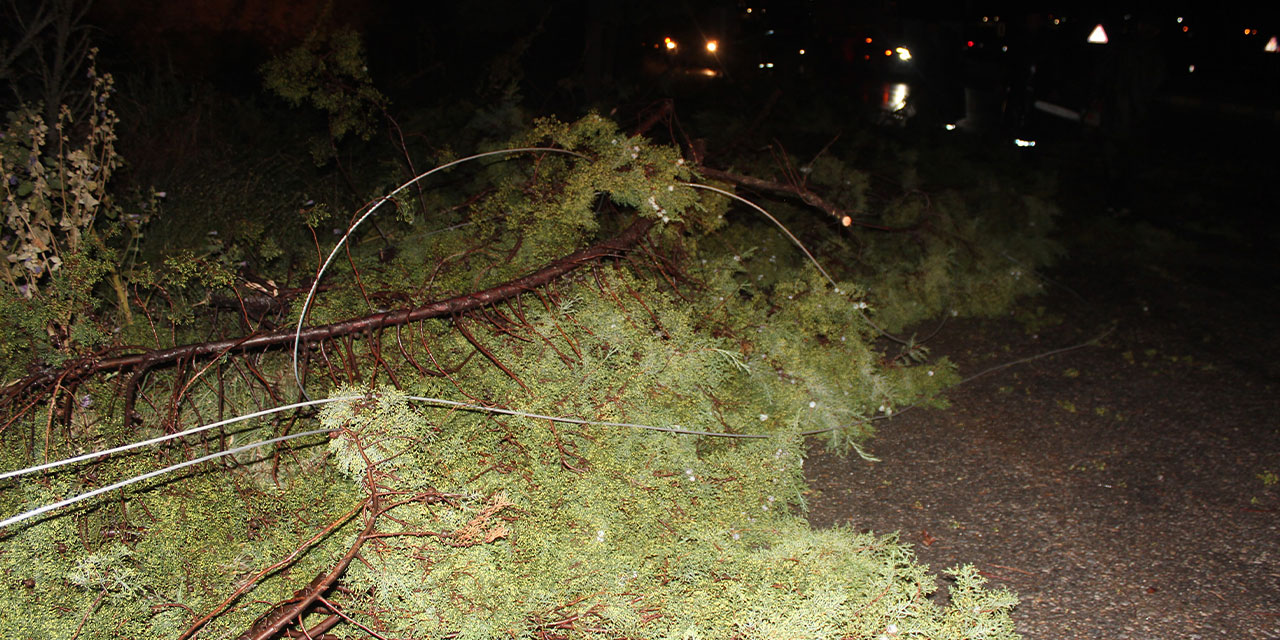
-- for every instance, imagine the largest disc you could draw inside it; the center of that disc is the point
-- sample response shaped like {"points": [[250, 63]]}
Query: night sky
{"points": [[419, 49]]}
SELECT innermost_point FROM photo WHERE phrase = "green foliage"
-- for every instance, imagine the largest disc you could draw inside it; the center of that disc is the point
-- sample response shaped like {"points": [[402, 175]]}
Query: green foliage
{"points": [[328, 72], [137, 563], [968, 249], [512, 526]]}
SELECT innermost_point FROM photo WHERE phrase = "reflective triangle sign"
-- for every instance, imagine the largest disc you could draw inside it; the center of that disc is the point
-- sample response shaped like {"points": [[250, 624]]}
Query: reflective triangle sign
{"points": [[1098, 35]]}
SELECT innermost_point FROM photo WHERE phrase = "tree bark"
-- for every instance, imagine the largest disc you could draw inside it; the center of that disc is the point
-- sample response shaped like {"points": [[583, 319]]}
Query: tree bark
{"points": [[450, 306]]}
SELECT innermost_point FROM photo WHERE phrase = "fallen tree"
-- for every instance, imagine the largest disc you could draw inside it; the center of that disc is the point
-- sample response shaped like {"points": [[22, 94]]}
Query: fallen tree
{"points": [[562, 516], [140, 363]]}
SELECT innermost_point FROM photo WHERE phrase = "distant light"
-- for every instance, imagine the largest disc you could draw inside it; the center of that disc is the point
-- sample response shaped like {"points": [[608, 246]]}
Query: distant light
{"points": [[1185, 28], [1024, 143], [712, 45], [1005, 48], [996, 19], [802, 52], [1247, 31], [769, 32], [1191, 68], [1179, 19], [710, 73], [748, 9], [868, 41], [1057, 21], [866, 57], [970, 43], [846, 221], [985, 19], [1099, 35], [768, 65], [671, 44], [1057, 110], [895, 97], [1272, 46], [904, 54], [949, 127], [888, 52]]}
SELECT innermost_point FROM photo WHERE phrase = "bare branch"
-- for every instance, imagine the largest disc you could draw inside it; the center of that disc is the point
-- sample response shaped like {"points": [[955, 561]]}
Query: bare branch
{"points": [[448, 307]]}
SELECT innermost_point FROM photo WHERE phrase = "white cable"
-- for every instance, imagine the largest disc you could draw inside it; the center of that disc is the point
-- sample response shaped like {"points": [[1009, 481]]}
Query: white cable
{"points": [[478, 407], [798, 244], [438, 401], [769, 216], [166, 438], [297, 336], [151, 474]]}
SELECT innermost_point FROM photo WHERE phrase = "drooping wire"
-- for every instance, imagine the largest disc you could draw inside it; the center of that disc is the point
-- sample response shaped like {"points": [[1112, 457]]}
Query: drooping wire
{"points": [[797, 242], [150, 474], [768, 215], [171, 436], [676, 429], [475, 407], [306, 305], [436, 401], [462, 405]]}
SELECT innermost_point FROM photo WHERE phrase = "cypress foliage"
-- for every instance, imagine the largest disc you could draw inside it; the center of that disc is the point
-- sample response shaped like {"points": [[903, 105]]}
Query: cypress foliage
{"points": [[471, 524]]}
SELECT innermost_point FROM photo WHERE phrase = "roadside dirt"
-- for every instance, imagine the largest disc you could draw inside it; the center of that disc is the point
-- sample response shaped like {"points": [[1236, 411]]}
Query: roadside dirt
{"points": [[1123, 490]]}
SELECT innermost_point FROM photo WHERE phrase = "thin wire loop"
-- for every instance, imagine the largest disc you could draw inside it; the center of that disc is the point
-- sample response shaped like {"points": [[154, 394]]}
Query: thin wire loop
{"points": [[306, 305]]}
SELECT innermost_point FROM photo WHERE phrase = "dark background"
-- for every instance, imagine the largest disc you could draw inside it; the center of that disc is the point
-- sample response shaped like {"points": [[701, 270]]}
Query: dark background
{"points": [[584, 54], [1185, 85]]}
